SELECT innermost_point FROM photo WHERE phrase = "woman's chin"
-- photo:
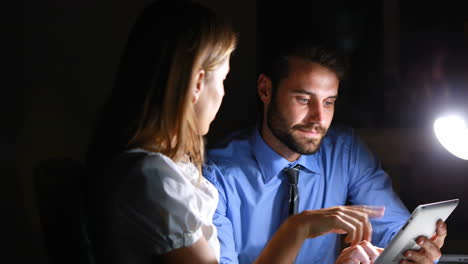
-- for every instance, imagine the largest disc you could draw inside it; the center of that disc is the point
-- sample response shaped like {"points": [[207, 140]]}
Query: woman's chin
{"points": [[203, 131]]}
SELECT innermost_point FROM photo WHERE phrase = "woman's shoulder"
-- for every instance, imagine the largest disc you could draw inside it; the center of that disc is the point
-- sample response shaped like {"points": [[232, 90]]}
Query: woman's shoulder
{"points": [[147, 163], [141, 175], [149, 158]]}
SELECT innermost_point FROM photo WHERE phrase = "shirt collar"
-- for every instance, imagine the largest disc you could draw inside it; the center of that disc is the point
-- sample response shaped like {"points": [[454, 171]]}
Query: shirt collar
{"points": [[271, 163]]}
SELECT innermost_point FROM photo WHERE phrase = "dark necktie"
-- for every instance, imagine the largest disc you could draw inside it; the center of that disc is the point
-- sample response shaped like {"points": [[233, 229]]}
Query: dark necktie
{"points": [[293, 177]]}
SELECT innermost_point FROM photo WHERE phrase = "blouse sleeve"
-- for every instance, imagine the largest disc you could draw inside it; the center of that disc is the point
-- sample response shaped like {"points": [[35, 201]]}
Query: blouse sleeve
{"points": [[156, 205]]}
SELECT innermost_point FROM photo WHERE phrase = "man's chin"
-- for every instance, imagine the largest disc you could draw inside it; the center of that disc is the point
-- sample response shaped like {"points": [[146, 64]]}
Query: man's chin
{"points": [[309, 151], [307, 147]]}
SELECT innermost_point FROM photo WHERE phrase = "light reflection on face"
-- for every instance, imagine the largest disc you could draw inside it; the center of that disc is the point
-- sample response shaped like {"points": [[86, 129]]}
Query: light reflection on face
{"points": [[211, 96]]}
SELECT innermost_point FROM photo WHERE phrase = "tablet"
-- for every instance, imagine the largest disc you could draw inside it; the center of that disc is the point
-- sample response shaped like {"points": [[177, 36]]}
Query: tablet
{"points": [[451, 258], [422, 222]]}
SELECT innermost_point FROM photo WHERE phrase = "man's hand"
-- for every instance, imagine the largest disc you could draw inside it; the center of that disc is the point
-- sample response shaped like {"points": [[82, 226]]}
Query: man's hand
{"points": [[430, 248], [362, 253], [351, 220]]}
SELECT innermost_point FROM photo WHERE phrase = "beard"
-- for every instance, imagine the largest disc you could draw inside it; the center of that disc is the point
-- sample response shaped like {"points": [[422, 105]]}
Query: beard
{"points": [[285, 132]]}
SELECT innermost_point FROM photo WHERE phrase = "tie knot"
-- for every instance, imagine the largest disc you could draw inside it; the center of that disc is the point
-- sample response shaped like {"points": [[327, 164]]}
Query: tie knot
{"points": [[293, 174]]}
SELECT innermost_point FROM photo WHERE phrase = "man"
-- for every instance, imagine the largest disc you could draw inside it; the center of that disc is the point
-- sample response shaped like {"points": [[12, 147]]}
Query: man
{"points": [[271, 210]]}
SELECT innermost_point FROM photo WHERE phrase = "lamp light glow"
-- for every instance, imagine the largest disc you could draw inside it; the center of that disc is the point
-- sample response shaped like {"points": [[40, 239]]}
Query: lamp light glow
{"points": [[452, 133]]}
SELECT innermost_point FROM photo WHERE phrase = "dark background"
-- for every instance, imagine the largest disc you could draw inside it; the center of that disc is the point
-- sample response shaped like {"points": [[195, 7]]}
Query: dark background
{"points": [[409, 60]]}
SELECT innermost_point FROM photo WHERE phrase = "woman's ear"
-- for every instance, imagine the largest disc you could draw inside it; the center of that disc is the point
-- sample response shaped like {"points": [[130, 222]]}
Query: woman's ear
{"points": [[199, 85], [264, 88]]}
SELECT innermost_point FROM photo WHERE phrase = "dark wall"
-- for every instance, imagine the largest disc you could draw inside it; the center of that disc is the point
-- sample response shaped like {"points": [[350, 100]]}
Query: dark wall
{"points": [[71, 50]]}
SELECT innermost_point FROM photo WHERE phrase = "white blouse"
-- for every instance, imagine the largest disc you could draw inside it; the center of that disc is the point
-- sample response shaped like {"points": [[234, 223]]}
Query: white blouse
{"points": [[204, 205], [182, 202]]}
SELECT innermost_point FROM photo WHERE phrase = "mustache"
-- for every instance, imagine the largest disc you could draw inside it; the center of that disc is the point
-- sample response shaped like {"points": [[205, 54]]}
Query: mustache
{"points": [[309, 127]]}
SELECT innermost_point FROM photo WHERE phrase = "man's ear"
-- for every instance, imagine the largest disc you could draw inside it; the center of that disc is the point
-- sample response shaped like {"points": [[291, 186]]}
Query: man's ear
{"points": [[199, 85], [264, 88]]}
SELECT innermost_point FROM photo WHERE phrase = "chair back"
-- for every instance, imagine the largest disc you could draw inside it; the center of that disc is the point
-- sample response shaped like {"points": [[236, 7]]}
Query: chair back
{"points": [[59, 194]]}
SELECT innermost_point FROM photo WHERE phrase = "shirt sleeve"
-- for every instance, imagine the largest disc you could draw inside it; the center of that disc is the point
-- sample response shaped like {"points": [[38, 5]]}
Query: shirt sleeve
{"points": [[369, 184], [220, 218], [156, 206]]}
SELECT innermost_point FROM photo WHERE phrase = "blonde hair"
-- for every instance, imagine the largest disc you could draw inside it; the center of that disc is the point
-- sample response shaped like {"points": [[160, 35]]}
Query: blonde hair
{"points": [[169, 127]]}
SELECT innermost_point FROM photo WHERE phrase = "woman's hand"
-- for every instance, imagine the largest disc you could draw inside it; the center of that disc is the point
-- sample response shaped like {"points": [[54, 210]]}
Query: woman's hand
{"points": [[351, 220], [362, 253]]}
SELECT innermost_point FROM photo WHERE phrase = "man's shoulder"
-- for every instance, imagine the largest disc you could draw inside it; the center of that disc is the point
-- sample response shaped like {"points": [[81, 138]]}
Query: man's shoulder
{"points": [[339, 135], [229, 156], [236, 145]]}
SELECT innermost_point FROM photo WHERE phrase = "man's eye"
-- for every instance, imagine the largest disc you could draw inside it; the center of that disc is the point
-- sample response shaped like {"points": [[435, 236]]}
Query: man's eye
{"points": [[329, 103], [303, 100]]}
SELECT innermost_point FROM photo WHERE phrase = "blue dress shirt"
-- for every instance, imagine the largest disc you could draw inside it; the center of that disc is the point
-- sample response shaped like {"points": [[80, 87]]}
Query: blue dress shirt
{"points": [[253, 193]]}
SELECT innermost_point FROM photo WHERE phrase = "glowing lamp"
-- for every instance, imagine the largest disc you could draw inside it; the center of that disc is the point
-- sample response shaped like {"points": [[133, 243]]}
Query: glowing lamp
{"points": [[452, 133]]}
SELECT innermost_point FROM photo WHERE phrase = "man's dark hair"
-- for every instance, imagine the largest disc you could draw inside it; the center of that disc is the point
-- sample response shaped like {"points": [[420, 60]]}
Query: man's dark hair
{"points": [[276, 64]]}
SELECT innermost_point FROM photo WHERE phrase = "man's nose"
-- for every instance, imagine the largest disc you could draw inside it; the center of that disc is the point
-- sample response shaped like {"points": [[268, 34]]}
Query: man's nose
{"points": [[315, 112]]}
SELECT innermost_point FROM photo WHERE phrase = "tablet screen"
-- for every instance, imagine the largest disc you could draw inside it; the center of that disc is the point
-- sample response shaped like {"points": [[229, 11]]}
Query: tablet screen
{"points": [[422, 222]]}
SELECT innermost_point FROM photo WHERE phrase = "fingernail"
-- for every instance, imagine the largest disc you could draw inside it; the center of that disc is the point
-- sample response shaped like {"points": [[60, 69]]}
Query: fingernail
{"points": [[409, 254], [421, 242]]}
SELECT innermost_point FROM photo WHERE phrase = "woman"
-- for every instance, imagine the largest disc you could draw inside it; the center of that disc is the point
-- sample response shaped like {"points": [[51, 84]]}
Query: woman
{"points": [[148, 201]]}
